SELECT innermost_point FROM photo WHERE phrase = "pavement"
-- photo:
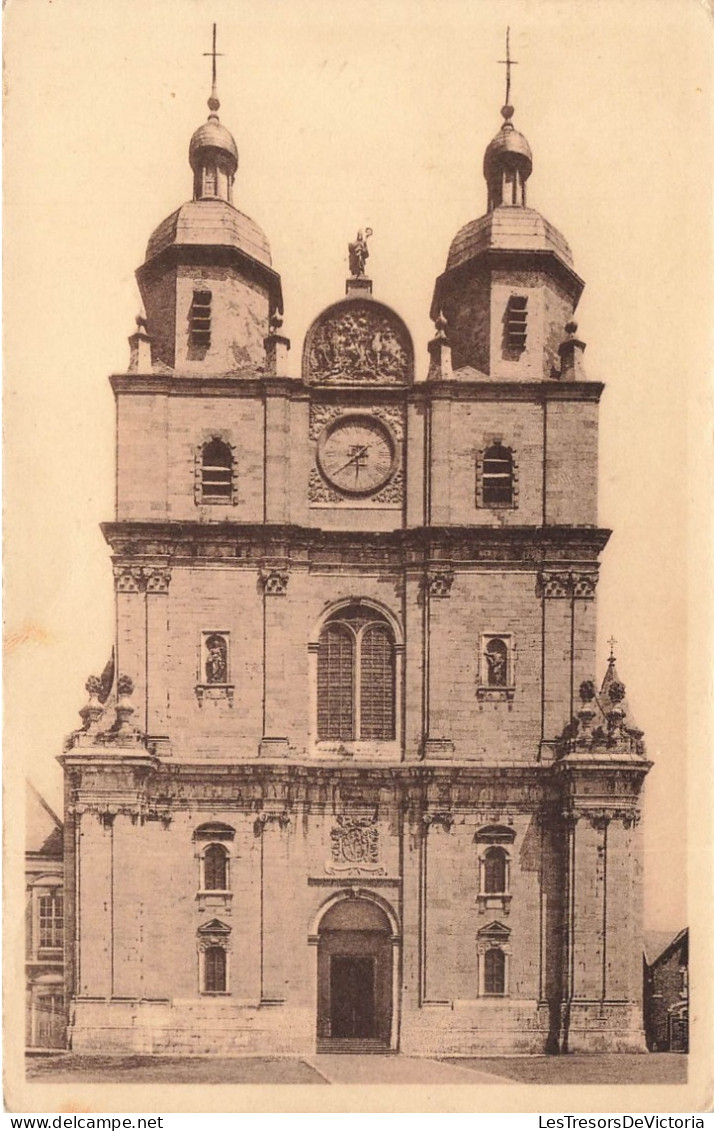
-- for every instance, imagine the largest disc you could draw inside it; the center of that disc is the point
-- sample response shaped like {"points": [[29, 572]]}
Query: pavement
{"points": [[622, 1068]]}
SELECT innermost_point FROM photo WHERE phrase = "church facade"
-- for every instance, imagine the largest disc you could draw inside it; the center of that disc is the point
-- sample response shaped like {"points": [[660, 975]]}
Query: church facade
{"points": [[352, 786]]}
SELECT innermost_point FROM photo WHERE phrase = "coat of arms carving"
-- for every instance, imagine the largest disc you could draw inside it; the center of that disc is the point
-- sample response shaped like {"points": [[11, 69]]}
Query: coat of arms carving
{"points": [[355, 847]]}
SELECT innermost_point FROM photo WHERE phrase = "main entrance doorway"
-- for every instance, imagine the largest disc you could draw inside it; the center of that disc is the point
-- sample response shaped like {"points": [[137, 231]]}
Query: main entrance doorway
{"points": [[352, 996], [354, 974]]}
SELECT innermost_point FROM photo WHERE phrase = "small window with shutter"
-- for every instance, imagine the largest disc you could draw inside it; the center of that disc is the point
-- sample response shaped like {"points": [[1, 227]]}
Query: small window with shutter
{"points": [[200, 319], [516, 324]]}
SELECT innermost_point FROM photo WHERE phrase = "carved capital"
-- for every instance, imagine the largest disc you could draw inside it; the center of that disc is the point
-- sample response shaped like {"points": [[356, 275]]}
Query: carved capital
{"points": [[275, 581], [128, 579], [157, 579], [553, 585], [443, 818], [581, 586], [263, 819], [584, 585], [438, 582]]}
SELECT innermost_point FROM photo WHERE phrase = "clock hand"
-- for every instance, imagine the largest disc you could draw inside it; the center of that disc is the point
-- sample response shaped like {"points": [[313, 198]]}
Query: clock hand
{"points": [[352, 459]]}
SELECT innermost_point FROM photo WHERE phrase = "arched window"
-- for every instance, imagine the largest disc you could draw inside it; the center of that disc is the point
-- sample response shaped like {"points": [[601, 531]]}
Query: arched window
{"points": [[497, 477], [216, 472], [214, 970], [494, 975], [215, 868], [355, 677], [494, 877]]}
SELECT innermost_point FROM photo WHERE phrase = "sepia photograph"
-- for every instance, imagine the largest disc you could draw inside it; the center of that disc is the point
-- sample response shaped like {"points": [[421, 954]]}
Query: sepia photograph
{"points": [[358, 533]]}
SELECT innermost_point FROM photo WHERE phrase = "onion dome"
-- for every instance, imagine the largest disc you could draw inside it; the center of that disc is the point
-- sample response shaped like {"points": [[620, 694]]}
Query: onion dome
{"points": [[213, 155], [213, 137], [507, 165]]}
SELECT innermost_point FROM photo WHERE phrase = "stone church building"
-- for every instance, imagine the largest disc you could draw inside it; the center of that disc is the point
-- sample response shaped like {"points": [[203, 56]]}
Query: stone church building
{"points": [[350, 784]]}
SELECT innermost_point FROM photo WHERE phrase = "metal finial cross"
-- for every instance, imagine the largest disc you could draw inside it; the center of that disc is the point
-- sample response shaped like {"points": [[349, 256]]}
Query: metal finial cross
{"points": [[508, 62], [612, 642], [213, 55]]}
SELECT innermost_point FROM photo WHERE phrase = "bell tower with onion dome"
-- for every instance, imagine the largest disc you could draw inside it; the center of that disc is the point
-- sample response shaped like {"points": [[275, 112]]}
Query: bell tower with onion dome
{"points": [[207, 281], [509, 287]]}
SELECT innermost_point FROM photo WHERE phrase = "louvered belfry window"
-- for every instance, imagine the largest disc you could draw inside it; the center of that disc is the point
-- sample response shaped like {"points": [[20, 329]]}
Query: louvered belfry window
{"points": [[216, 472], [497, 477], [516, 323], [355, 677], [215, 970], [200, 319]]}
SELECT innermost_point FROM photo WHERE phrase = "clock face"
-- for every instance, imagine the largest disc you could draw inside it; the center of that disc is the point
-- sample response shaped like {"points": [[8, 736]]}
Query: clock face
{"points": [[357, 454]]}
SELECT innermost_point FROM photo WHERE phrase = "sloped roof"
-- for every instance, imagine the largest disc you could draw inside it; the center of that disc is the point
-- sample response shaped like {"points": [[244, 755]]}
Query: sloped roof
{"points": [[656, 942], [43, 828]]}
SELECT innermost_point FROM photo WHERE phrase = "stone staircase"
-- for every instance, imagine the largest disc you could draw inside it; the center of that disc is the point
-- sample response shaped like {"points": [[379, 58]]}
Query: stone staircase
{"points": [[354, 1046]]}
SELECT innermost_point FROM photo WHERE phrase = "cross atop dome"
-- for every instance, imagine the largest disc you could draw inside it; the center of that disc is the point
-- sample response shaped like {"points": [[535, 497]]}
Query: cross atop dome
{"points": [[213, 154], [508, 62], [508, 161], [214, 104]]}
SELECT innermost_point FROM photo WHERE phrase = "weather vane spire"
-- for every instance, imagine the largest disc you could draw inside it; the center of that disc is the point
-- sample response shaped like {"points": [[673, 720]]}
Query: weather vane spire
{"points": [[213, 102], [508, 62]]}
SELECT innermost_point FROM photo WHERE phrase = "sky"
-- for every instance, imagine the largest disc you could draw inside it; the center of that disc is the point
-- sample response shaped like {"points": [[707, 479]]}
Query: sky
{"points": [[348, 115]]}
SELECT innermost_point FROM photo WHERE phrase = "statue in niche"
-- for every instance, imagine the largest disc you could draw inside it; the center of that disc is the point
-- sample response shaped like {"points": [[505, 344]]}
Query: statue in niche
{"points": [[496, 656], [359, 253], [216, 659]]}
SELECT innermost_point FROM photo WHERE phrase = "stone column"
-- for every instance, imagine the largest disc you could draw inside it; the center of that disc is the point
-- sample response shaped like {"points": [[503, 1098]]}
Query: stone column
{"points": [[437, 588], [275, 881], [556, 592], [157, 631], [130, 584], [435, 957], [274, 743], [128, 906], [94, 900], [277, 454]]}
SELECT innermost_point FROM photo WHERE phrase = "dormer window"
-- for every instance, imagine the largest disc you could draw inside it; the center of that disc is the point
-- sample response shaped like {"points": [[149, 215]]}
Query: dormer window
{"points": [[516, 324], [200, 319]]}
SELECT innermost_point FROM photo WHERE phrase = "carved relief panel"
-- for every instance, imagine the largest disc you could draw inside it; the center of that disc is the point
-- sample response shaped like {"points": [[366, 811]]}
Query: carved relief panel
{"points": [[358, 342]]}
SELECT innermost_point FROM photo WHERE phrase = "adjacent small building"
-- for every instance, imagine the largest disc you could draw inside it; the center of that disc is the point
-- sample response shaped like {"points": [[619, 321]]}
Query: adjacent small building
{"points": [[45, 1015], [666, 992]]}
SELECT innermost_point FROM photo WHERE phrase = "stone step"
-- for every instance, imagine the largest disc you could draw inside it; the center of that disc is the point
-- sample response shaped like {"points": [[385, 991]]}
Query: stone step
{"points": [[354, 1046]]}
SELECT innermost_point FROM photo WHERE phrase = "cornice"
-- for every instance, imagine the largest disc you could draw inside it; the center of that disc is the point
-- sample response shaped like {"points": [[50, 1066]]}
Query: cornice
{"points": [[247, 544], [513, 259], [253, 384]]}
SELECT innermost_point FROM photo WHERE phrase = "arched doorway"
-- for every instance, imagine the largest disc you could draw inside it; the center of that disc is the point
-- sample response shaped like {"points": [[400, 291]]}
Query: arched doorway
{"points": [[355, 965]]}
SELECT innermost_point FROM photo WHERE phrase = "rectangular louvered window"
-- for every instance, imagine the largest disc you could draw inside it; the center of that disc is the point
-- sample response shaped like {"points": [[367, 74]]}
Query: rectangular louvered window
{"points": [[200, 319], [516, 323]]}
